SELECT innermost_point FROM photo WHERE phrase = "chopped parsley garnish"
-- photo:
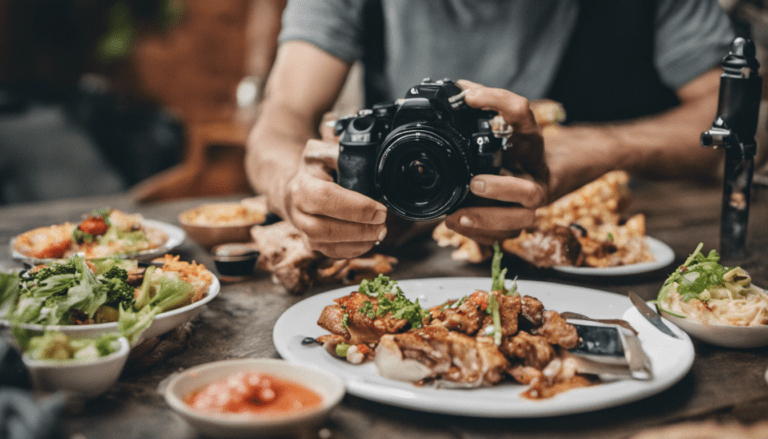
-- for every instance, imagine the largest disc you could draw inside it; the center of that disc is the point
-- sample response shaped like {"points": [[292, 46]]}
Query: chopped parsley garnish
{"points": [[697, 273], [390, 301], [372, 288], [367, 309]]}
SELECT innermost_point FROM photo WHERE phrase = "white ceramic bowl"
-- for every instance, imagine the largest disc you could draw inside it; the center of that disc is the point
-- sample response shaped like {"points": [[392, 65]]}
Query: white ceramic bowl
{"points": [[722, 335], [162, 323], [328, 386], [85, 378], [209, 235]]}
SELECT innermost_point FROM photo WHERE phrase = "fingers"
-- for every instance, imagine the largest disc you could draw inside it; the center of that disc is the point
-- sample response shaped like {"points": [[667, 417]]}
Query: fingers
{"points": [[323, 229], [489, 224], [466, 84], [509, 189], [514, 108], [314, 196], [343, 250], [338, 222], [322, 154]]}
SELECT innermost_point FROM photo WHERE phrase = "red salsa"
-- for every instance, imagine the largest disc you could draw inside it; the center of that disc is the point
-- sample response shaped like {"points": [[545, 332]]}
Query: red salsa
{"points": [[249, 392]]}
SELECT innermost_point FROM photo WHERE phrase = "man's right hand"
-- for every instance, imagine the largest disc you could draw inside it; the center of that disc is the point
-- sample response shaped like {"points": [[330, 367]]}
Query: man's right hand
{"points": [[339, 223]]}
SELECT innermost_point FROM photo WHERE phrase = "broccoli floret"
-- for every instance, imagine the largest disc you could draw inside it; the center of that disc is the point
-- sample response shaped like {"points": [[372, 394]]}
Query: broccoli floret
{"points": [[44, 273], [118, 292], [116, 272]]}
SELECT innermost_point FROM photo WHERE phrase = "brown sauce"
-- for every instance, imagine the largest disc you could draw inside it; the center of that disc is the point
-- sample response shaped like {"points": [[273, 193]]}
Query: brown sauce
{"points": [[254, 393], [544, 390]]}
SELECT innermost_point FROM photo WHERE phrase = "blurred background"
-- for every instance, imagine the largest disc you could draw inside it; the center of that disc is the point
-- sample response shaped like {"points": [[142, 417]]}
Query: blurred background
{"points": [[156, 97]]}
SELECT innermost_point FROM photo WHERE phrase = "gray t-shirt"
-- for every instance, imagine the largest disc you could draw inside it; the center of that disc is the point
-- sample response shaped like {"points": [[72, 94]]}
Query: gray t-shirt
{"points": [[511, 44]]}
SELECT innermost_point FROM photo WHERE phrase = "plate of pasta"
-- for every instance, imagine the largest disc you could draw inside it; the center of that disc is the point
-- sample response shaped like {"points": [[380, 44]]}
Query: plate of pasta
{"points": [[714, 303]]}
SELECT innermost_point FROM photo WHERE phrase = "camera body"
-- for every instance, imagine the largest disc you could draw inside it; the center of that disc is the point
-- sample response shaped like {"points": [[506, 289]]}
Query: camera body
{"points": [[417, 155]]}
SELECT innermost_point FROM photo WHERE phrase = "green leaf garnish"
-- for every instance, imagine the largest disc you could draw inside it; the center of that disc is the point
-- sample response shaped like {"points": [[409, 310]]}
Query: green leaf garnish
{"points": [[390, 298], [697, 273], [367, 309]]}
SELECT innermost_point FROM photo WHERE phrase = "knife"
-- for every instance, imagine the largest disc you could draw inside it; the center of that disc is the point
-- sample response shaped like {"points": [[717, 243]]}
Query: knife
{"points": [[610, 350], [650, 314]]}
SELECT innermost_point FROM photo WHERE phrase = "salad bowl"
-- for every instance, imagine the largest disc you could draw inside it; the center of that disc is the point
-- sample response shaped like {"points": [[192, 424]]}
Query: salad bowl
{"points": [[84, 378], [163, 323]]}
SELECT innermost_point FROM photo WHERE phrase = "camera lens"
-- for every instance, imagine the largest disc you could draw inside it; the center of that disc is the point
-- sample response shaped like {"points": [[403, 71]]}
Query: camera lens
{"points": [[422, 171]]}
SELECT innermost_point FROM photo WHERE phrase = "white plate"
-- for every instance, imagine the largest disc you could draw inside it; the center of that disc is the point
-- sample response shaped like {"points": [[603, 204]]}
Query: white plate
{"points": [[662, 252], [670, 358], [176, 237], [743, 337], [163, 322]]}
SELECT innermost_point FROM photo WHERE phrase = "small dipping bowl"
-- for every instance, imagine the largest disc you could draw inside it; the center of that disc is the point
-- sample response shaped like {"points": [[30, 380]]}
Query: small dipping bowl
{"points": [[209, 235], [235, 261], [84, 378], [299, 424]]}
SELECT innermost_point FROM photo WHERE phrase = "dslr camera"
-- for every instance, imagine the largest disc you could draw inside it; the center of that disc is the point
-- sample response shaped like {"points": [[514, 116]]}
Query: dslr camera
{"points": [[417, 155]]}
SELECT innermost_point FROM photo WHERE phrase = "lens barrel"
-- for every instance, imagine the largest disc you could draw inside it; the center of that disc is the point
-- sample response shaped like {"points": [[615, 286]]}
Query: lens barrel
{"points": [[423, 171]]}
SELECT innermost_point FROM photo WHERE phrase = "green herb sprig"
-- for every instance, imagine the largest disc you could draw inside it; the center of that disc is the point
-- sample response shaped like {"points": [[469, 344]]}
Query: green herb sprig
{"points": [[697, 273], [498, 284]]}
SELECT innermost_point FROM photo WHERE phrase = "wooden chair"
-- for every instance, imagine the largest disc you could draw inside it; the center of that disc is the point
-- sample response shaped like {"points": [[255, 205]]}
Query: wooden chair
{"points": [[195, 70]]}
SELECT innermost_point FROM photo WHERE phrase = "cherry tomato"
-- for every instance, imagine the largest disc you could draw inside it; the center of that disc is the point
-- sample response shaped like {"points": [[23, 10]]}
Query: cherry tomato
{"points": [[94, 226]]}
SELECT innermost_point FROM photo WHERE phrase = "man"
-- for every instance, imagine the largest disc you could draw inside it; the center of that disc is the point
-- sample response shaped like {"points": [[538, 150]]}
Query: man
{"points": [[643, 74]]}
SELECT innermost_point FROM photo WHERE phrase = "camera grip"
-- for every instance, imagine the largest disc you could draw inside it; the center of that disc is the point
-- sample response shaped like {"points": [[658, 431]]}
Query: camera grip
{"points": [[356, 168]]}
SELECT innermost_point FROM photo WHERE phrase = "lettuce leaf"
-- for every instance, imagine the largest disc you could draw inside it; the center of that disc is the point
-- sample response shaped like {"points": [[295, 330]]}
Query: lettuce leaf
{"points": [[132, 323], [165, 290], [10, 287], [103, 265], [50, 296]]}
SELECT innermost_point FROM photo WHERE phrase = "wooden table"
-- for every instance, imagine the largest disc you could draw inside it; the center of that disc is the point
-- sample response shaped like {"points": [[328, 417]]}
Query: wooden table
{"points": [[724, 384]]}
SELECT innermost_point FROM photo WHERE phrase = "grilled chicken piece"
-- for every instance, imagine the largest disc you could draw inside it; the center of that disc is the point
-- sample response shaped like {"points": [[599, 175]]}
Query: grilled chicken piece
{"points": [[532, 311], [555, 245], [471, 316], [467, 317], [557, 331], [434, 352], [533, 350], [287, 254], [360, 328]]}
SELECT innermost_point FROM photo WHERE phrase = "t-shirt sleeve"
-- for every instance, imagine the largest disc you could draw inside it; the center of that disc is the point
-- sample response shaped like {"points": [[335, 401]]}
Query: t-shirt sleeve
{"points": [[692, 36], [334, 26]]}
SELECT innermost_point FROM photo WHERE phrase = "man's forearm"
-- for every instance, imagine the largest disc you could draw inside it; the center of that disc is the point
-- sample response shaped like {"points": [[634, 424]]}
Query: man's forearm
{"points": [[663, 145], [273, 158]]}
